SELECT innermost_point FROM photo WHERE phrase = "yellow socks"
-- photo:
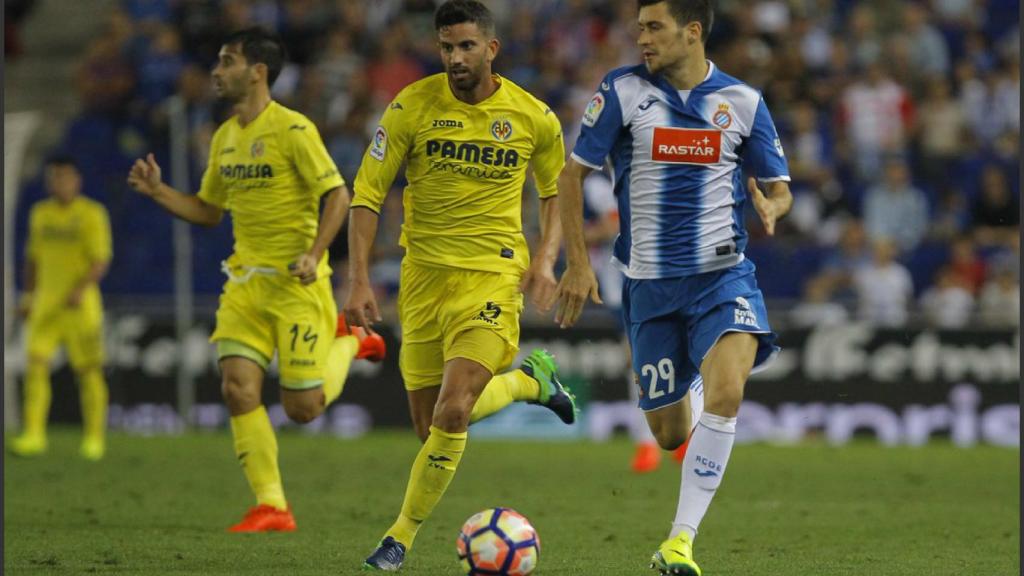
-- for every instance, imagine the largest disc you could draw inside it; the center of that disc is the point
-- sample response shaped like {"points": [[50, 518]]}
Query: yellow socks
{"points": [[37, 399], [503, 390], [93, 392], [256, 448], [431, 473], [339, 358]]}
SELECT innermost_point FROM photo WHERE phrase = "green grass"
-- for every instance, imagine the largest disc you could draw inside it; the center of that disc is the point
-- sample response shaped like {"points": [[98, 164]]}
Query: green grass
{"points": [[160, 506]]}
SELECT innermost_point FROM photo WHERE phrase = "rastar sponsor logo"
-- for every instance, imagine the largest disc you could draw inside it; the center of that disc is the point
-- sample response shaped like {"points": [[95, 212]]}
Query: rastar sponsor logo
{"points": [[686, 146]]}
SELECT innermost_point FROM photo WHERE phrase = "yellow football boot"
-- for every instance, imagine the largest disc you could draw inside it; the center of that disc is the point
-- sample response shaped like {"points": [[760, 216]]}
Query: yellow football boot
{"points": [[675, 557]]}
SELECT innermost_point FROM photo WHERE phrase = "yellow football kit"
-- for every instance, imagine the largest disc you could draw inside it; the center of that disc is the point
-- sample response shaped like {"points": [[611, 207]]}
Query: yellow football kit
{"points": [[65, 241], [465, 250], [270, 174]]}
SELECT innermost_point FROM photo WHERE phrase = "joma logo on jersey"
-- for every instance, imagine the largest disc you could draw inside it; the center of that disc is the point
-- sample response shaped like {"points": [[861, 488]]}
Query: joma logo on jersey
{"points": [[686, 146], [447, 124], [468, 152], [247, 171]]}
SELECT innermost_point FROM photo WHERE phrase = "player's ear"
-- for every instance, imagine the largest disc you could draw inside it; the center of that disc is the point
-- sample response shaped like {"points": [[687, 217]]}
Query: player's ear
{"points": [[693, 32], [259, 72], [493, 47]]}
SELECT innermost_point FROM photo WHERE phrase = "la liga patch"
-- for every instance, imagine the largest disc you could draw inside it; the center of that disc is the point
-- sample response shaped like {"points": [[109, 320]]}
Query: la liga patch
{"points": [[594, 110], [380, 144]]}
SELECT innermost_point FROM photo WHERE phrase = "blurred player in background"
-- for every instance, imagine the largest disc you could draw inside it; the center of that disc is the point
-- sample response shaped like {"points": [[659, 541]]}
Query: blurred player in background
{"points": [[467, 136], [673, 130], [68, 252], [269, 167]]}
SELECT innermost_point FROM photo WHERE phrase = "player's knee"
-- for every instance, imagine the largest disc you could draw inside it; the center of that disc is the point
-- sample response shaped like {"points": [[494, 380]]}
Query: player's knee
{"points": [[670, 438], [724, 398], [452, 415], [238, 395]]}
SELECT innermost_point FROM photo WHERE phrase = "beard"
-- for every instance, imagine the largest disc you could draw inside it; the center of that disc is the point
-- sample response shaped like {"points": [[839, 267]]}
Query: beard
{"points": [[468, 80]]}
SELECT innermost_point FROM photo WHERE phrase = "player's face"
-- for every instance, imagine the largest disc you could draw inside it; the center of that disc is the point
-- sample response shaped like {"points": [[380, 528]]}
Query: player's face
{"points": [[466, 54], [63, 181], [232, 75], [664, 42]]}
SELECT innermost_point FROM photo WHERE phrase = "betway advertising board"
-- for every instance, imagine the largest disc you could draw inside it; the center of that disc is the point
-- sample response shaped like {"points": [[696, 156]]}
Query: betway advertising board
{"points": [[896, 386]]}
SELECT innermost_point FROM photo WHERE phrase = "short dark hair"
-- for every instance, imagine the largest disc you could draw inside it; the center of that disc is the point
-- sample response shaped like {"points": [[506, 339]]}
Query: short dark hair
{"points": [[458, 11], [260, 46], [686, 11], [62, 159]]}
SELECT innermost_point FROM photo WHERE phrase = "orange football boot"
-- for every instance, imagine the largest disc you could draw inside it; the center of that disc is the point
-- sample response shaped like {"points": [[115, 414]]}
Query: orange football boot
{"points": [[264, 518], [371, 346], [647, 458]]}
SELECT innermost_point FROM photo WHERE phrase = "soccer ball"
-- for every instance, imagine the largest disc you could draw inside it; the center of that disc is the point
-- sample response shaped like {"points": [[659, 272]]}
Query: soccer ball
{"points": [[498, 542]]}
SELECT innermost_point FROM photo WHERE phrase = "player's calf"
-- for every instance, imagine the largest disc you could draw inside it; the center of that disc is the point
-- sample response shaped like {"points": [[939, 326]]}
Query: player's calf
{"points": [[304, 406]]}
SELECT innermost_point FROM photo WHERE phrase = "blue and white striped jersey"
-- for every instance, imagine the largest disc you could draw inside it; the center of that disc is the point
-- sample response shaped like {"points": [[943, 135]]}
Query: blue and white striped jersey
{"points": [[676, 158]]}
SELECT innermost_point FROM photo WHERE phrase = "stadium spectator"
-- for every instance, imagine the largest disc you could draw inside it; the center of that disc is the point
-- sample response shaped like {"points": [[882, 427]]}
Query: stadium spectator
{"points": [[966, 267], [884, 288], [104, 78], [940, 128], [949, 303], [929, 54], [1000, 298], [817, 307], [896, 210], [996, 212], [876, 114]]}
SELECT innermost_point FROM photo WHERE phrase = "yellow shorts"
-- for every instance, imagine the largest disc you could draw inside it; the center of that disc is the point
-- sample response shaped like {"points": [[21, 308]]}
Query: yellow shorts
{"points": [[80, 330], [450, 313], [269, 312]]}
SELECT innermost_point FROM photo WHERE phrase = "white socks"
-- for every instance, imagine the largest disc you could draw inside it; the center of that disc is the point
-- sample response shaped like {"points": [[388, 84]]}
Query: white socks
{"points": [[705, 461]]}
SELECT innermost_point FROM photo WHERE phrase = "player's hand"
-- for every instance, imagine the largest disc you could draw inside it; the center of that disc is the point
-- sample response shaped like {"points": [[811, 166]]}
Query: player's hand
{"points": [[577, 284], [75, 298], [361, 306], [539, 284], [145, 176], [304, 269], [769, 211]]}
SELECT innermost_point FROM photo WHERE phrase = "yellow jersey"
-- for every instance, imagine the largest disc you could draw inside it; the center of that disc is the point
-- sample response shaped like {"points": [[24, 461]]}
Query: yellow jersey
{"points": [[270, 174], [466, 166], [64, 241]]}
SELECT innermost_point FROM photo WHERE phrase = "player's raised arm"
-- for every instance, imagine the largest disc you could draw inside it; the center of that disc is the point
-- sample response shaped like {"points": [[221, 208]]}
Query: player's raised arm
{"points": [[145, 177], [578, 281]]}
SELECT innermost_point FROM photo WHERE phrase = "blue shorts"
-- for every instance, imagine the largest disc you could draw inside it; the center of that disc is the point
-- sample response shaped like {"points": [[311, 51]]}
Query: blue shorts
{"points": [[673, 323]]}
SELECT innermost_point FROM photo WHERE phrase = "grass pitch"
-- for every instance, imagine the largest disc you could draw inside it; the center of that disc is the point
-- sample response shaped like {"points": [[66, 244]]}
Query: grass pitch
{"points": [[160, 506]]}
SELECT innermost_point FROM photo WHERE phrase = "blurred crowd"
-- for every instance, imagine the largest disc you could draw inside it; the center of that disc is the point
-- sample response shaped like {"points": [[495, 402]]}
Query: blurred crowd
{"points": [[900, 120]]}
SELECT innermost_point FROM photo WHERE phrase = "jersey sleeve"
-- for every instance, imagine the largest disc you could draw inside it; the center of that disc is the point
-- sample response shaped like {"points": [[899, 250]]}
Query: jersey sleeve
{"points": [[764, 147], [98, 245], [549, 158], [310, 158], [602, 121], [212, 190], [387, 151]]}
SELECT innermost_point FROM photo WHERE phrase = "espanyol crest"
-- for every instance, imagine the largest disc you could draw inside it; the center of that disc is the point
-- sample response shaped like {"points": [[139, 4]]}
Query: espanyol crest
{"points": [[722, 119], [501, 130]]}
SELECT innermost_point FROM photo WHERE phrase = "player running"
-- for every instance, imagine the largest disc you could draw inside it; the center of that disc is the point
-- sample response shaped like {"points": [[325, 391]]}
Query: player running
{"points": [[269, 167], [467, 136], [673, 131], [67, 254]]}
